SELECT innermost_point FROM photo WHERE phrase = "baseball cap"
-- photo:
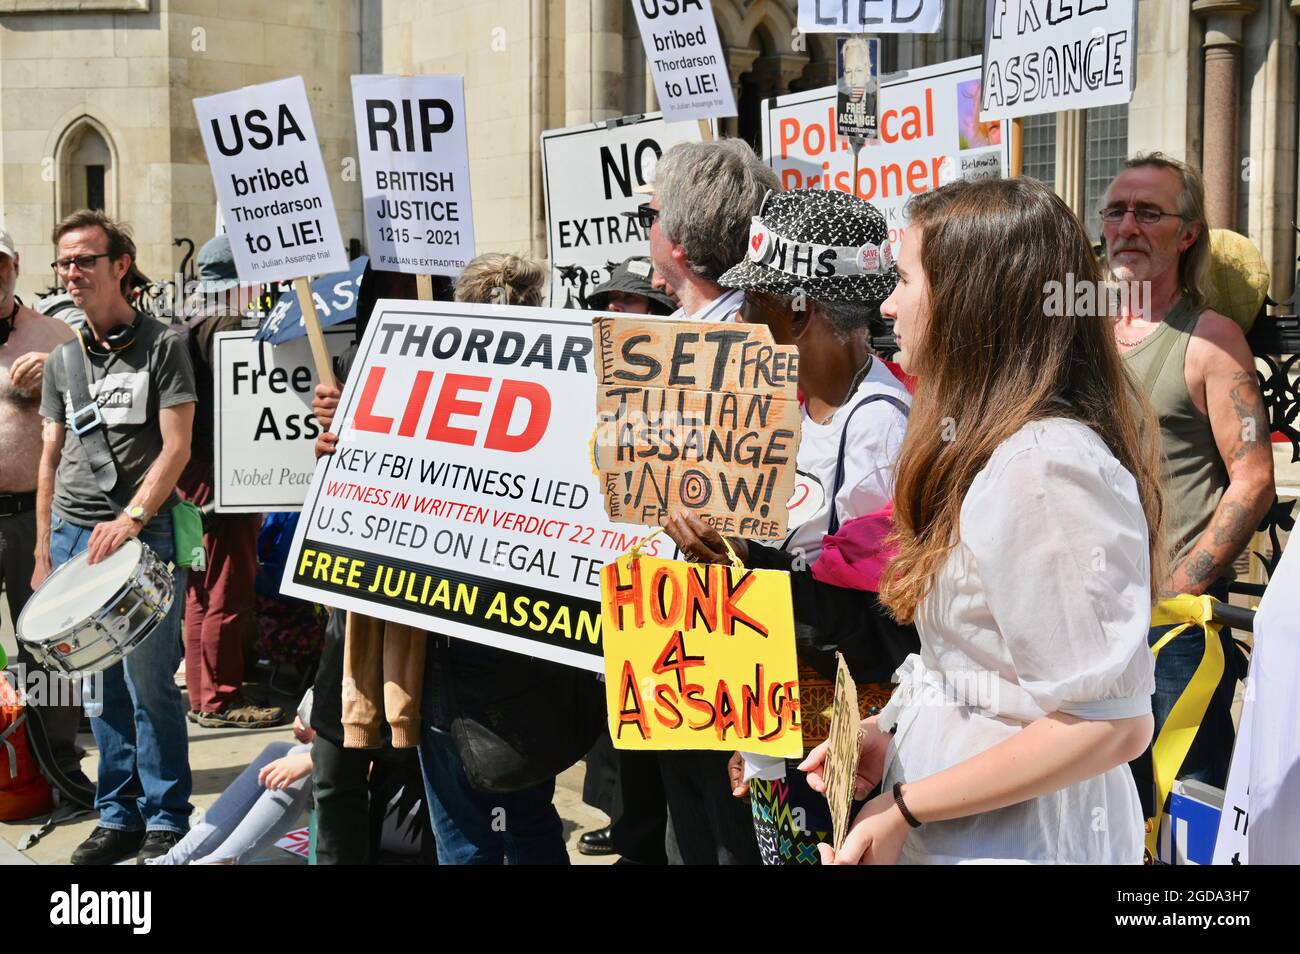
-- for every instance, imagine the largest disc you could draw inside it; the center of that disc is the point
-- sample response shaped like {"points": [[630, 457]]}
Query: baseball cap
{"points": [[7, 243]]}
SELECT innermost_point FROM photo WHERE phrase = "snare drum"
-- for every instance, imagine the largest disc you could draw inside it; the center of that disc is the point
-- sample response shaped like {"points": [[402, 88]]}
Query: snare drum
{"points": [[87, 618]]}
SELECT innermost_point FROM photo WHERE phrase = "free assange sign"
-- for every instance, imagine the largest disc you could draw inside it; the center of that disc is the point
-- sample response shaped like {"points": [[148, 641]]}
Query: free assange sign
{"points": [[271, 182]]}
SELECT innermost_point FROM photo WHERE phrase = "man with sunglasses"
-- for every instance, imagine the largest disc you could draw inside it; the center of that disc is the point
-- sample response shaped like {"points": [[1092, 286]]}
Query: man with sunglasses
{"points": [[704, 195], [108, 473], [1198, 372]]}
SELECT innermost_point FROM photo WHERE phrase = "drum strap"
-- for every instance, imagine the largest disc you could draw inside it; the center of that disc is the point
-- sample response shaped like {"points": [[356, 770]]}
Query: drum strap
{"points": [[88, 425]]}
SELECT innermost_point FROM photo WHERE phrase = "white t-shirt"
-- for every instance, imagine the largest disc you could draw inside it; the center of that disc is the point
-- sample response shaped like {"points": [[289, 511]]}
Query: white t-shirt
{"points": [[875, 437], [722, 308], [1042, 606]]}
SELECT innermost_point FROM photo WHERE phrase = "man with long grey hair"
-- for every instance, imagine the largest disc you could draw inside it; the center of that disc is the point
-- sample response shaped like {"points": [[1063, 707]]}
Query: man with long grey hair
{"points": [[705, 194]]}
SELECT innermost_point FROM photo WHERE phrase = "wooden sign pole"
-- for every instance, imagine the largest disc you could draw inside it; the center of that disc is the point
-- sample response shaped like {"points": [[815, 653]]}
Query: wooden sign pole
{"points": [[424, 287], [319, 353], [706, 131], [1017, 147]]}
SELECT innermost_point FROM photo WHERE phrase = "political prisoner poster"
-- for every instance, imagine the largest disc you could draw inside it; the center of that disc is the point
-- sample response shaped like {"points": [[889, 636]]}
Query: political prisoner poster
{"points": [[590, 174], [930, 133], [271, 183], [414, 156], [265, 433], [462, 498]]}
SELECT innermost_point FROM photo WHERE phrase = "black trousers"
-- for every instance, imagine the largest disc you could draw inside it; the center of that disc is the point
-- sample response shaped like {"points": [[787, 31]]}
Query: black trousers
{"points": [[341, 789], [711, 826], [640, 819]]}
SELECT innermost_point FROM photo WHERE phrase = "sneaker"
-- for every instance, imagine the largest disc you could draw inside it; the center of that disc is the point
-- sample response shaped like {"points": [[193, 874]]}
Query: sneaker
{"points": [[193, 715], [107, 846], [239, 713], [156, 844]]}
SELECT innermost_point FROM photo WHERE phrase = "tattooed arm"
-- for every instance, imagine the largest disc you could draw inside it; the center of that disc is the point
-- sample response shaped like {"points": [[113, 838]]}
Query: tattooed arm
{"points": [[1220, 361]]}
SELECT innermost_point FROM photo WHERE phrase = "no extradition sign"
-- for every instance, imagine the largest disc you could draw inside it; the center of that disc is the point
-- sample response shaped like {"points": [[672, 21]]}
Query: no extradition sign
{"points": [[271, 182], [462, 499], [591, 173], [414, 153]]}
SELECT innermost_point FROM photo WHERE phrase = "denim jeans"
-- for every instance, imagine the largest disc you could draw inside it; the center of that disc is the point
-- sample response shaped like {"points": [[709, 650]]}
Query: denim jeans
{"points": [[477, 828], [1211, 752], [144, 769]]}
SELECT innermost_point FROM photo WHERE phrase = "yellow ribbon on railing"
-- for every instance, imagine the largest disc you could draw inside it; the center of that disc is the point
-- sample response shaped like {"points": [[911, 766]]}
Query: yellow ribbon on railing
{"points": [[1179, 731]]}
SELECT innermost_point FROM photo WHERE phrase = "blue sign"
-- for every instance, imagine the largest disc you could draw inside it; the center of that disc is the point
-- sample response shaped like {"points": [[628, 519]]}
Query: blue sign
{"points": [[336, 302]]}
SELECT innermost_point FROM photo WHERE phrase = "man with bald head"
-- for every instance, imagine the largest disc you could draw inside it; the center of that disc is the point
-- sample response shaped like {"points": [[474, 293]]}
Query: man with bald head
{"points": [[26, 337]]}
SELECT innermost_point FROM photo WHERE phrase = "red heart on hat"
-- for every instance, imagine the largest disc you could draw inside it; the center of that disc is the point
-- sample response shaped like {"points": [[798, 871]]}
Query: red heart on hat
{"points": [[756, 241]]}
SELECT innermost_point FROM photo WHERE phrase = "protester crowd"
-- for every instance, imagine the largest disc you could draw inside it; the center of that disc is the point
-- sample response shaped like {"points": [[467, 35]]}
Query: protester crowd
{"points": [[1004, 502]]}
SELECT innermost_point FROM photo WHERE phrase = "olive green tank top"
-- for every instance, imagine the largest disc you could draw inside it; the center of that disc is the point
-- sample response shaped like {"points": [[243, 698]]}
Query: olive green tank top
{"points": [[1192, 471]]}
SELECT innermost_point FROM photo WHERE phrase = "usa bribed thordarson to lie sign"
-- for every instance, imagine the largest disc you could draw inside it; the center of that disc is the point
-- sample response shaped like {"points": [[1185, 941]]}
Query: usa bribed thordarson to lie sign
{"points": [[462, 498]]}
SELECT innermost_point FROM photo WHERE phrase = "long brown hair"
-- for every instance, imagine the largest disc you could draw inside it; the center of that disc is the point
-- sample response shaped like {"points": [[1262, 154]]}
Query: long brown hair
{"points": [[991, 360]]}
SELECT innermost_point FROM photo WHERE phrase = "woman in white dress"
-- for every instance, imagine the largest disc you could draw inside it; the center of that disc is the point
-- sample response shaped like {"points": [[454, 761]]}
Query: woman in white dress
{"points": [[1028, 514]]}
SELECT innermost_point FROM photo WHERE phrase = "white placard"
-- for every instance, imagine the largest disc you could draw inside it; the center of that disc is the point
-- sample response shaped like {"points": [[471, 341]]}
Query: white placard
{"points": [[1042, 57], [414, 157], [265, 433], [462, 499], [929, 130], [590, 173], [870, 16], [685, 55], [1232, 846], [271, 182]]}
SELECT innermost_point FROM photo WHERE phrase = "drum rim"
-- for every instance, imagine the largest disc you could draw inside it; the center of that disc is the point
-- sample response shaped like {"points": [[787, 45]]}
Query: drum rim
{"points": [[117, 594]]}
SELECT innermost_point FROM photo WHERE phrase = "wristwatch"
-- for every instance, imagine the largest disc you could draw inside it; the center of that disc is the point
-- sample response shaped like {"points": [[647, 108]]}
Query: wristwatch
{"points": [[136, 513]]}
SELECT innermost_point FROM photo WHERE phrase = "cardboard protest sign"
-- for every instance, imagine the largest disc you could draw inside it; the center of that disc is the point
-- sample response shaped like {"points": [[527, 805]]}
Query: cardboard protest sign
{"points": [[414, 157], [685, 55], [929, 129], [462, 499], [696, 416], [1041, 57], [870, 16], [271, 182], [857, 72], [842, 756], [265, 433], [590, 173], [700, 657]]}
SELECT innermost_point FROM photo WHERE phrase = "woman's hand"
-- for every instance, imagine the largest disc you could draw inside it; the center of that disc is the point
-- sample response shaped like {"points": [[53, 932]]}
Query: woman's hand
{"points": [[324, 404], [875, 838], [283, 772], [302, 733], [699, 542], [736, 776], [872, 747]]}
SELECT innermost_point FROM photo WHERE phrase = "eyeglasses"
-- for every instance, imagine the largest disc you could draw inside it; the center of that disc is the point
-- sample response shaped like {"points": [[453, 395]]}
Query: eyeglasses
{"points": [[83, 262], [1144, 214], [646, 215]]}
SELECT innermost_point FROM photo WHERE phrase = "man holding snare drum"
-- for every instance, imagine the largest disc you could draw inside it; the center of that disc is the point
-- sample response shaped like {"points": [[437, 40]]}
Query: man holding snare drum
{"points": [[142, 392]]}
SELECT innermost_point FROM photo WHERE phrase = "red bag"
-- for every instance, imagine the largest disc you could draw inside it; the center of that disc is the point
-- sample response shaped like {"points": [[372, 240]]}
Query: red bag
{"points": [[24, 792]]}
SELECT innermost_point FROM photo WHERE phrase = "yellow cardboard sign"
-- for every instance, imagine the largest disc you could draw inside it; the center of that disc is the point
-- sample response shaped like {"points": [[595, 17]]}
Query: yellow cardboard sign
{"points": [[699, 657]]}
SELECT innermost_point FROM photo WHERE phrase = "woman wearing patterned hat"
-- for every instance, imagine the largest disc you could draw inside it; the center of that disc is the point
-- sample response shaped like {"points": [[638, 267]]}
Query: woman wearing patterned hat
{"points": [[818, 265], [1028, 511]]}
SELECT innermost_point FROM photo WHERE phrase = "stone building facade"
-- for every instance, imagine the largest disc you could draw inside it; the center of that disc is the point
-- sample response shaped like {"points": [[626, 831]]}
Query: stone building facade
{"points": [[95, 101]]}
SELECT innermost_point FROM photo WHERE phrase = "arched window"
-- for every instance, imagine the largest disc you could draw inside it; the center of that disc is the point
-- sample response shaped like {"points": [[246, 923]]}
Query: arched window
{"points": [[86, 168]]}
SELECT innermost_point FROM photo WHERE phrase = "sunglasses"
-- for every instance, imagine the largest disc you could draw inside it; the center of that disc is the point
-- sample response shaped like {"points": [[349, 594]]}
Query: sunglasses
{"points": [[646, 215]]}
